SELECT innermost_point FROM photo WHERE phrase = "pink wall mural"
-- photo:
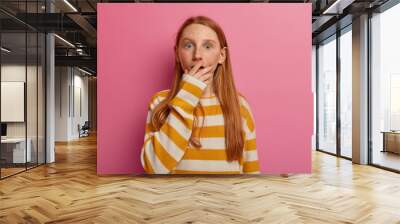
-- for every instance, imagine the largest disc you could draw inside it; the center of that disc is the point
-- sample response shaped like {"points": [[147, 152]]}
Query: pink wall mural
{"points": [[270, 46]]}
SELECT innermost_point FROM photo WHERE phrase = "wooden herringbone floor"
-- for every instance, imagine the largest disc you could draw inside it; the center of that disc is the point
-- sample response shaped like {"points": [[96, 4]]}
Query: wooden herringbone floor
{"points": [[69, 191]]}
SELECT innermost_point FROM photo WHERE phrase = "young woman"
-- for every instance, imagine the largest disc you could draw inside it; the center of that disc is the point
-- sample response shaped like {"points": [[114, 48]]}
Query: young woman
{"points": [[202, 125]]}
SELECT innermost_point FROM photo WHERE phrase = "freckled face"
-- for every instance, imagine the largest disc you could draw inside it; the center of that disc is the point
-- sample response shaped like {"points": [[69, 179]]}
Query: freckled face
{"points": [[199, 44]]}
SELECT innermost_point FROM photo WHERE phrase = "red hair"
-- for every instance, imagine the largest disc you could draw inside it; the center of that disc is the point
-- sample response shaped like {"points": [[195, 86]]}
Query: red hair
{"points": [[225, 91]]}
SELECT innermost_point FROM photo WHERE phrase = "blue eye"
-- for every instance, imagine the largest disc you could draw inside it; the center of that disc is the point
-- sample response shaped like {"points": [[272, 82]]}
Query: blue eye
{"points": [[186, 45]]}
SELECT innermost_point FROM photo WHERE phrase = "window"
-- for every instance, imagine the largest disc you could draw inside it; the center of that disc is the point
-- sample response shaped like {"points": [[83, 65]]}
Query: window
{"points": [[385, 88], [346, 75], [327, 95]]}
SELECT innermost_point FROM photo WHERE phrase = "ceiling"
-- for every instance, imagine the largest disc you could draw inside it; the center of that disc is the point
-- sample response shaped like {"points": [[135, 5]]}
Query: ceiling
{"points": [[76, 22]]}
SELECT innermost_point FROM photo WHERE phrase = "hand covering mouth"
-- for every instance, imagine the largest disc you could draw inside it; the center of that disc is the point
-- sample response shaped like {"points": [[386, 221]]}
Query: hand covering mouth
{"points": [[201, 67]]}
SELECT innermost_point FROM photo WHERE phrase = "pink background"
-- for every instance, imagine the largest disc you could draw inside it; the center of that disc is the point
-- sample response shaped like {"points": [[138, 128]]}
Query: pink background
{"points": [[271, 56]]}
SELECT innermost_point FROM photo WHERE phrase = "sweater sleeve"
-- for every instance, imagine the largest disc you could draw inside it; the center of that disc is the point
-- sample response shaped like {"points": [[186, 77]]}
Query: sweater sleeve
{"points": [[162, 150], [250, 156]]}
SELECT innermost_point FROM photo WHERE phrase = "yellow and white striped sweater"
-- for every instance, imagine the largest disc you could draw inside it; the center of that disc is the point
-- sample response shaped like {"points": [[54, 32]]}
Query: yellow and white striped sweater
{"points": [[169, 151]]}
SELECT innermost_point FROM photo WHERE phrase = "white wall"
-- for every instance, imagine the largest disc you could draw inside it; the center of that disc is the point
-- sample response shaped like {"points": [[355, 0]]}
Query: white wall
{"points": [[10, 73], [50, 94], [79, 117], [15, 72], [70, 83], [61, 103]]}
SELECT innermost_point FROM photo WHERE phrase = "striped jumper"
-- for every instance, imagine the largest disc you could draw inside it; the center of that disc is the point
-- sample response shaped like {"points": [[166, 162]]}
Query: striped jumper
{"points": [[168, 151]]}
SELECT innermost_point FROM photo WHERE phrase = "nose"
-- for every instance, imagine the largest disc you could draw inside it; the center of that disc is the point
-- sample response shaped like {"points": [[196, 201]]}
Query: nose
{"points": [[197, 55]]}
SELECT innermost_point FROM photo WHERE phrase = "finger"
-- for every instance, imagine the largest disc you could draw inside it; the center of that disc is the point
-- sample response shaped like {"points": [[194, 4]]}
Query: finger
{"points": [[206, 77], [208, 81], [203, 71], [196, 67]]}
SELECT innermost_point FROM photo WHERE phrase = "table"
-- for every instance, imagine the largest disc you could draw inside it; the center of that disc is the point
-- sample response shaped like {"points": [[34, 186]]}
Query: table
{"points": [[391, 141], [13, 150]]}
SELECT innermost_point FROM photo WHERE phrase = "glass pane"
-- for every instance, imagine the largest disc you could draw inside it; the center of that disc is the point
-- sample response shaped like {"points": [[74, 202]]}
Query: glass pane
{"points": [[22, 88], [327, 96], [31, 100], [13, 86], [346, 93], [313, 71], [41, 98], [386, 89], [31, 84]]}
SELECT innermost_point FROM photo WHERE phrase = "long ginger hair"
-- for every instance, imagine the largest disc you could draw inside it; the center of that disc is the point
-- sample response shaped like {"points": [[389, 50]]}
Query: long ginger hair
{"points": [[225, 91]]}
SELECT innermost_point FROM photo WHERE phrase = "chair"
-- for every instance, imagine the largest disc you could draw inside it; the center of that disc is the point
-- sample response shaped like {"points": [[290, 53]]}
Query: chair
{"points": [[84, 130]]}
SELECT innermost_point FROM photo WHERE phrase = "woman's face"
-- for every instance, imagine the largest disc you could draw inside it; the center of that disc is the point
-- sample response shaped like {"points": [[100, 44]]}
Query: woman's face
{"points": [[199, 43]]}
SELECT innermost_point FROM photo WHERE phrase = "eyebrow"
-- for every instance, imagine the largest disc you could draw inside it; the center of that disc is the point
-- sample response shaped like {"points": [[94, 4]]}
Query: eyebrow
{"points": [[192, 40]]}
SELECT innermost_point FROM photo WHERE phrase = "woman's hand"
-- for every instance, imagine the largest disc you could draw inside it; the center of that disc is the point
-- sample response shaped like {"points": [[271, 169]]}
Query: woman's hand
{"points": [[200, 72]]}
